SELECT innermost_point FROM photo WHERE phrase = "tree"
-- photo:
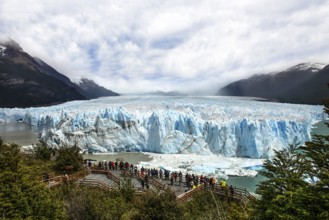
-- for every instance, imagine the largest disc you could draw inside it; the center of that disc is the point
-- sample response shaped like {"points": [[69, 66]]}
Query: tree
{"points": [[23, 195], [43, 152], [68, 157], [285, 177], [317, 156], [158, 205], [297, 184], [94, 203]]}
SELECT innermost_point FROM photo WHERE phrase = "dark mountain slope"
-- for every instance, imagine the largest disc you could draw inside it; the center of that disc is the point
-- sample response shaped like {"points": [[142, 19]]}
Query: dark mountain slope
{"points": [[26, 81], [93, 90], [303, 83], [23, 83]]}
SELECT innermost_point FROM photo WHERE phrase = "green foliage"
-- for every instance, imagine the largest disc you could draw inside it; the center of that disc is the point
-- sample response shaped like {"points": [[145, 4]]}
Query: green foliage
{"points": [[298, 185], [43, 152], [68, 157], [23, 195], [317, 154], [94, 203], [127, 189], [207, 205], [158, 205], [285, 181], [9, 157]]}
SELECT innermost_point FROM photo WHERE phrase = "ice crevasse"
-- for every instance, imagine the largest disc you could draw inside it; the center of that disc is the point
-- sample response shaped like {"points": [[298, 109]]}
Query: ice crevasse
{"points": [[207, 125]]}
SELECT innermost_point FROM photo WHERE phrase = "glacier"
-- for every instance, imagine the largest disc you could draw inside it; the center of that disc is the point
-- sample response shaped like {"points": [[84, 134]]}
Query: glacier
{"points": [[204, 125]]}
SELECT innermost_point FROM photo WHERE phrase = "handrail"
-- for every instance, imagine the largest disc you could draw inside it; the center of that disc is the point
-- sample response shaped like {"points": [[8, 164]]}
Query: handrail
{"points": [[152, 181], [108, 173], [111, 176], [185, 196], [157, 184], [50, 175], [79, 175], [239, 194], [55, 180], [97, 183]]}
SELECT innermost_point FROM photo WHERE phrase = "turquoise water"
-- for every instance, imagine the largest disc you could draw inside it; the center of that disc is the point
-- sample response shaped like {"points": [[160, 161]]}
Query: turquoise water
{"points": [[320, 128], [246, 182]]}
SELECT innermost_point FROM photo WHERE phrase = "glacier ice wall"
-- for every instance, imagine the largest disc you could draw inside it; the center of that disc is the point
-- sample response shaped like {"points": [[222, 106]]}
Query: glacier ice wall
{"points": [[203, 125]]}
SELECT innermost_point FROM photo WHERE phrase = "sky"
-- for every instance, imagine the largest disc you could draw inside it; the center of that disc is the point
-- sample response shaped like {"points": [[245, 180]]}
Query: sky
{"points": [[191, 46]]}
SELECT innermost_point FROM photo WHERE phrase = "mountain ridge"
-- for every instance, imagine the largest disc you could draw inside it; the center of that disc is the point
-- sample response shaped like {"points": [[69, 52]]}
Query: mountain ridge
{"points": [[304, 83], [93, 90], [27, 81]]}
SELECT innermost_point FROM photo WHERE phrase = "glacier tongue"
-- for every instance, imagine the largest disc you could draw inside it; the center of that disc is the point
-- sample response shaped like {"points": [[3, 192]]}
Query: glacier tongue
{"points": [[234, 127]]}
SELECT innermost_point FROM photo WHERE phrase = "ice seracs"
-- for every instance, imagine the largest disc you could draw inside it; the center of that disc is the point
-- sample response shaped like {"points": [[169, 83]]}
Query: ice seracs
{"points": [[228, 126]]}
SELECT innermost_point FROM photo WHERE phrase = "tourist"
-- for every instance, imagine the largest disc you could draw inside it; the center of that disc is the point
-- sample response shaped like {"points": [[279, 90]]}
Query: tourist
{"points": [[192, 185], [65, 178], [161, 173], [175, 176], [223, 184], [105, 165], [180, 177], [146, 181], [231, 190], [226, 189], [143, 183], [135, 170], [212, 182]]}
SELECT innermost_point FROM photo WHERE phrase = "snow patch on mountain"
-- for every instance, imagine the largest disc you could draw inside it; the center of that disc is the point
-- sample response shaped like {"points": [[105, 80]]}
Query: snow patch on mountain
{"points": [[2, 50], [315, 67], [228, 126]]}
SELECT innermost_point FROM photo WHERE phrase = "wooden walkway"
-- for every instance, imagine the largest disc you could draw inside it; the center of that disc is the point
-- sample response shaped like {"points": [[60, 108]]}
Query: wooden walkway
{"points": [[108, 180]]}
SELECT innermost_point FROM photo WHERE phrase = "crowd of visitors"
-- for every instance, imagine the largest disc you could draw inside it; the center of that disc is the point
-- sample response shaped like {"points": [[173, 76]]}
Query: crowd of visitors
{"points": [[191, 181]]}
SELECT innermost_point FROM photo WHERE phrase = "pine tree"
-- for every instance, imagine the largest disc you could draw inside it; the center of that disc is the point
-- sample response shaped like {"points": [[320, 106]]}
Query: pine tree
{"points": [[68, 157], [285, 176], [23, 195], [297, 185], [317, 155]]}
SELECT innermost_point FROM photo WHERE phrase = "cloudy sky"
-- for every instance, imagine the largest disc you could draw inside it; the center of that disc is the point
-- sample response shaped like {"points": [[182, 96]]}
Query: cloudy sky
{"points": [[186, 45]]}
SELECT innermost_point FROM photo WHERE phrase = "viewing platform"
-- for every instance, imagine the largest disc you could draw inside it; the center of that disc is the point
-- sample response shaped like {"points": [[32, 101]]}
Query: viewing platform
{"points": [[114, 179]]}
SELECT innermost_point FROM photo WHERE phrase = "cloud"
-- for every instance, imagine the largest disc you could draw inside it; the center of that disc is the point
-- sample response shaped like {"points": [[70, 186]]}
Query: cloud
{"points": [[149, 45]]}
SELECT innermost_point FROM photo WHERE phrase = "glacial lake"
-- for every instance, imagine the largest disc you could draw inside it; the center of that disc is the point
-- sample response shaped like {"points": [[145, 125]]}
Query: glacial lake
{"points": [[133, 158], [24, 134], [19, 133]]}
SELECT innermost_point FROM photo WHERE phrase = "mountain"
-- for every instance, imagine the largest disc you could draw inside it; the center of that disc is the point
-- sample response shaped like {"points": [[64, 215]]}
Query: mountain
{"points": [[93, 90], [27, 81], [24, 82], [304, 83]]}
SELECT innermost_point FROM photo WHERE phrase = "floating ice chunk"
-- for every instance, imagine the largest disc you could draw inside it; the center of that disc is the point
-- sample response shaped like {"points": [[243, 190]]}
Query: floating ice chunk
{"points": [[257, 167], [201, 169]]}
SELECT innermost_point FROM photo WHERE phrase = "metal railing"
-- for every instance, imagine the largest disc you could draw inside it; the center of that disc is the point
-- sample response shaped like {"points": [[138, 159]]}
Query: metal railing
{"points": [[108, 173], [238, 194], [95, 183]]}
